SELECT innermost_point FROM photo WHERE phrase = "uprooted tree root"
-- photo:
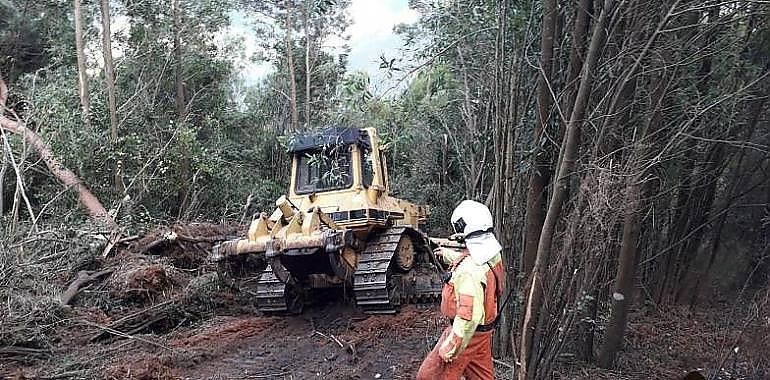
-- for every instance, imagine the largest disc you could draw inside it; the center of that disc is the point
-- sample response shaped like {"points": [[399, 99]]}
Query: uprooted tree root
{"points": [[186, 245]]}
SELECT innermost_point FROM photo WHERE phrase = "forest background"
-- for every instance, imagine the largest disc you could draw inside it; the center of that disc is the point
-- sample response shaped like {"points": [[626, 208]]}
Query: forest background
{"points": [[622, 145]]}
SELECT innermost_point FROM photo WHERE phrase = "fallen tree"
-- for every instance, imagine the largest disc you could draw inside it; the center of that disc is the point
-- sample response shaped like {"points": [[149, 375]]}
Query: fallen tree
{"points": [[68, 178]]}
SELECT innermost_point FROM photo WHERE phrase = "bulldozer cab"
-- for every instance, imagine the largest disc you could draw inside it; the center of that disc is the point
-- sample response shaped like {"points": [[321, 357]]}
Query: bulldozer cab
{"points": [[343, 173], [337, 160]]}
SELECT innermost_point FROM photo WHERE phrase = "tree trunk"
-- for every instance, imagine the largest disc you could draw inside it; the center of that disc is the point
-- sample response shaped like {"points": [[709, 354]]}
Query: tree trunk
{"points": [[179, 101], [109, 75], [183, 194], [623, 293], [539, 178], [290, 67], [85, 100], [569, 155], [579, 31], [586, 330], [64, 175], [306, 15]]}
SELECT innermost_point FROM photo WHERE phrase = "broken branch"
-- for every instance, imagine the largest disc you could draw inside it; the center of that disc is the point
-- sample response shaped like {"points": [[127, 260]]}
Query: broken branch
{"points": [[68, 178], [124, 335], [332, 338], [83, 279]]}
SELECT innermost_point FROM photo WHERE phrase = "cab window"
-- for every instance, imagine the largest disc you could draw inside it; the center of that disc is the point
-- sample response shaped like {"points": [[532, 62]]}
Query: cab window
{"points": [[367, 168], [323, 170]]}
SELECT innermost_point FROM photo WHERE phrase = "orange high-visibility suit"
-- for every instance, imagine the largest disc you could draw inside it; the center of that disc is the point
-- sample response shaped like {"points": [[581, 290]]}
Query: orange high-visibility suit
{"points": [[470, 299]]}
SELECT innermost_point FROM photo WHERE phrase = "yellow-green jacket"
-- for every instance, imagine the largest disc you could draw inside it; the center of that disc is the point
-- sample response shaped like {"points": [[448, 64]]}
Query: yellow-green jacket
{"points": [[469, 298]]}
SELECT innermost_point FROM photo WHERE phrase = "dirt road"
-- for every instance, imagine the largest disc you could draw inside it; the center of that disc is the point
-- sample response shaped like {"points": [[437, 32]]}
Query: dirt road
{"points": [[330, 342]]}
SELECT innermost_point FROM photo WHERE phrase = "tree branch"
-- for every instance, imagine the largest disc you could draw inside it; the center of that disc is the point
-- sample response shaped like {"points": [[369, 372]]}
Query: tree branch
{"points": [[92, 204]]}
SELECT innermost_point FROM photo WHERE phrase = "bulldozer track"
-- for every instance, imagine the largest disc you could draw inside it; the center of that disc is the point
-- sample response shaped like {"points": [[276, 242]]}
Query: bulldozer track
{"points": [[378, 286], [271, 295]]}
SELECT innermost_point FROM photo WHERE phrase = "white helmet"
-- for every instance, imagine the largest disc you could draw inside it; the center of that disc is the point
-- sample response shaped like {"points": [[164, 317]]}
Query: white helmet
{"points": [[473, 221]]}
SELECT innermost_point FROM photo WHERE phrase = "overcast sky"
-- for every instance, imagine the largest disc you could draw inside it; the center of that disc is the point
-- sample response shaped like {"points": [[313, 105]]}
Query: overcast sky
{"points": [[371, 35]]}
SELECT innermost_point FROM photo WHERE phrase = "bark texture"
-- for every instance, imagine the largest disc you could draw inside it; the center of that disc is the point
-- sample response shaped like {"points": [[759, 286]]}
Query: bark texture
{"points": [[183, 193], [306, 24], [624, 281], [109, 69], [85, 100], [539, 178], [109, 77], [290, 62]]}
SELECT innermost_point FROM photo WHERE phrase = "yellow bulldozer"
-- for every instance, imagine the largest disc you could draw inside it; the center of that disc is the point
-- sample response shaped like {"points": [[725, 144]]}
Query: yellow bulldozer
{"points": [[337, 227]]}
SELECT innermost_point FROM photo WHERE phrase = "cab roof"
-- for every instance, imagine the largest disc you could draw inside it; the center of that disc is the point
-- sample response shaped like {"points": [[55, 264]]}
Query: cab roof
{"points": [[328, 137]]}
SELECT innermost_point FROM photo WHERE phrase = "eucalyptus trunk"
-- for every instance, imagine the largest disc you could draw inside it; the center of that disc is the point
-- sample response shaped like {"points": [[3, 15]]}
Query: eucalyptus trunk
{"points": [[109, 77], [289, 25], [85, 100], [541, 174], [308, 70], [180, 104], [622, 294]]}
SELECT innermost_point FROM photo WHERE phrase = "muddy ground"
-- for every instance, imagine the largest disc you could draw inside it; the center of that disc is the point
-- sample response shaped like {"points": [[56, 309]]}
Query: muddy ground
{"points": [[163, 314]]}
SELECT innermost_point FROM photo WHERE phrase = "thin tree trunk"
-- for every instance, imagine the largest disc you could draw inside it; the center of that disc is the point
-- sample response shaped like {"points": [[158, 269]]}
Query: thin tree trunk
{"points": [[623, 292], [64, 175], [290, 63], [587, 328], [569, 146], [179, 103], [669, 268], [306, 15], [627, 259], [577, 54], [109, 74], [538, 179], [85, 100]]}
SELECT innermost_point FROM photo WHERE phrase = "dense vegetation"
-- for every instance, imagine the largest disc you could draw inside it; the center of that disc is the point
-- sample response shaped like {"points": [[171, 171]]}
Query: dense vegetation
{"points": [[623, 146]]}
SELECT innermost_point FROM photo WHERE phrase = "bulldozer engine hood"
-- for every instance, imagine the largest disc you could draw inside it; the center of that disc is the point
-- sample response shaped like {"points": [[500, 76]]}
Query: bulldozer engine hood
{"points": [[328, 137]]}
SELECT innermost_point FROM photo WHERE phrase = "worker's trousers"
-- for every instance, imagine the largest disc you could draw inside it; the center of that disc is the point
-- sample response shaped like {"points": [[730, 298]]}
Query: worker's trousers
{"points": [[475, 362]]}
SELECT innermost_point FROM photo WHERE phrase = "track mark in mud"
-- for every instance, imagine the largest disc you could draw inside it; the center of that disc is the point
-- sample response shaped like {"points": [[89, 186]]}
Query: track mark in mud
{"points": [[335, 342], [231, 331]]}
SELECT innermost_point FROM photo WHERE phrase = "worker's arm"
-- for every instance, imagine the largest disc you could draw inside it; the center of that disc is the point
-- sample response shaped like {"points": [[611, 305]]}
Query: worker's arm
{"points": [[469, 301], [448, 255]]}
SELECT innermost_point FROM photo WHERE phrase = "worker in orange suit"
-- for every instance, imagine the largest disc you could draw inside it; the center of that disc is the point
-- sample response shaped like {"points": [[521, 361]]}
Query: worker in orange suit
{"points": [[469, 299]]}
